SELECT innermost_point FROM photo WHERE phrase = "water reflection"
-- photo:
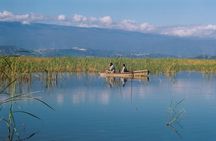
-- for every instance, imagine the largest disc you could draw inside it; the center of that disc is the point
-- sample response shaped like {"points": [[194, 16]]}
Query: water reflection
{"points": [[85, 97], [88, 88], [93, 108], [176, 112], [8, 120], [15, 89], [121, 82], [48, 81], [115, 82]]}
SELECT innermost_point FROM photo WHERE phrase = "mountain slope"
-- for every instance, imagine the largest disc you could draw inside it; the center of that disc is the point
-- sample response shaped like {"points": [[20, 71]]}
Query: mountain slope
{"points": [[43, 36], [14, 51]]}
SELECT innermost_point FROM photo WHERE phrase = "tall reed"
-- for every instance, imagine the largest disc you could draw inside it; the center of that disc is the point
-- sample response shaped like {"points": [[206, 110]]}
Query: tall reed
{"points": [[9, 73], [94, 64]]}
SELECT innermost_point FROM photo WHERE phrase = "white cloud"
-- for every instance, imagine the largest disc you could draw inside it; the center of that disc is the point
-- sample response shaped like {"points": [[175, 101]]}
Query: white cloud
{"points": [[61, 17], [209, 27], [79, 18], [178, 31], [36, 17], [5, 15], [23, 18], [128, 25], [83, 21], [185, 31], [106, 20], [92, 19], [146, 27], [134, 26]]}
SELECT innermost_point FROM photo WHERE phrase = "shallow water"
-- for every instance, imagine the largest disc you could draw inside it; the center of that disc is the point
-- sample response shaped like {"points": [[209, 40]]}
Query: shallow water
{"points": [[88, 107]]}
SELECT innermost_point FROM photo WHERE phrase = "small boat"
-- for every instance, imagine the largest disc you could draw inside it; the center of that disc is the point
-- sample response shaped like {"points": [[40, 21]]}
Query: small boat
{"points": [[133, 74]]}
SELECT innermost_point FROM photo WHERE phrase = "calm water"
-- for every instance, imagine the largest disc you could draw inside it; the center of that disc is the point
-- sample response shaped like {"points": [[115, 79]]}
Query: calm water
{"points": [[88, 107]]}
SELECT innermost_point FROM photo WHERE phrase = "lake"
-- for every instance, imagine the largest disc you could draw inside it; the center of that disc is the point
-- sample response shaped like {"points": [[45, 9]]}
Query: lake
{"points": [[88, 107]]}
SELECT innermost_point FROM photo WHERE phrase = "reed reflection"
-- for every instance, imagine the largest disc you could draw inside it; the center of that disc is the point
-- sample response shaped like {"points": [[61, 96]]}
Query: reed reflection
{"points": [[176, 113]]}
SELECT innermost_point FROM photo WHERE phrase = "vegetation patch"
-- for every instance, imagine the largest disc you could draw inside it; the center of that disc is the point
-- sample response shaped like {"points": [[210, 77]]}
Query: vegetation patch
{"points": [[95, 65]]}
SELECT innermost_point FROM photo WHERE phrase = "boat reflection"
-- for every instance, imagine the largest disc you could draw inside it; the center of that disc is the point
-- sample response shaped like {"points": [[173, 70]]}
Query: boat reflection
{"points": [[118, 82], [121, 82]]}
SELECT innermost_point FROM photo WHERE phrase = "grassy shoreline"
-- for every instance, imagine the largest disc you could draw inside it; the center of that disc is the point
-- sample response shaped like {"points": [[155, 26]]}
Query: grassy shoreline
{"points": [[95, 65]]}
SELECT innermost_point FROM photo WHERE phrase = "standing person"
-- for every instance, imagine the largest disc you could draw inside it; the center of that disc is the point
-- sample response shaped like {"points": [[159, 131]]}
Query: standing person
{"points": [[111, 68], [124, 69]]}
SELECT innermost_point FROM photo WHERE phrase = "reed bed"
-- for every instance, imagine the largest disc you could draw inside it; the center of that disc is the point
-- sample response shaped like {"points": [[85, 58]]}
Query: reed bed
{"points": [[95, 65], [9, 77]]}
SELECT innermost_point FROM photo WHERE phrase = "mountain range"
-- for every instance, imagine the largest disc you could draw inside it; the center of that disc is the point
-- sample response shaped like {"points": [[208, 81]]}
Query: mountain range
{"points": [[56, 40]]}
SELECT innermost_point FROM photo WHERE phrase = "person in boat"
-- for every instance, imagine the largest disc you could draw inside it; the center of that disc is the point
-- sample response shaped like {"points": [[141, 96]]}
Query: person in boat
{"points": [[111, 68], [124, 69]]}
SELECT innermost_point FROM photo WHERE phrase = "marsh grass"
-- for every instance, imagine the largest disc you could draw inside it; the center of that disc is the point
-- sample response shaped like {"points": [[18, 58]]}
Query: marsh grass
{"points": [[9, 73], [24, 65]]}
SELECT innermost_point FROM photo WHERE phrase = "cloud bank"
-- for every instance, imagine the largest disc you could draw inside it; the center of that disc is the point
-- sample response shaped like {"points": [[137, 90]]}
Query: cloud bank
{"points": [[196, 31], [108, 22], [23, 18]]}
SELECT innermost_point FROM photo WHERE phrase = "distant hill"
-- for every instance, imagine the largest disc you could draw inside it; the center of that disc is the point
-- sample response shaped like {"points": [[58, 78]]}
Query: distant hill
{"points": [[75, 51], [14, 51], [55, 40]]}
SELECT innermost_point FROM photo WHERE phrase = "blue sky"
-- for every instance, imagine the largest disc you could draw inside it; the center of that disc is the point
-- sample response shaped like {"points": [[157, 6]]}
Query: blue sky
{"points": [[167, 17], [157, 12]]}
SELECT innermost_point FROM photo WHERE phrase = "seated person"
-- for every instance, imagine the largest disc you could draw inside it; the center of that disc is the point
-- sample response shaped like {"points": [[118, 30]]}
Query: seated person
{"points": [[124, 69], [111, 68]]}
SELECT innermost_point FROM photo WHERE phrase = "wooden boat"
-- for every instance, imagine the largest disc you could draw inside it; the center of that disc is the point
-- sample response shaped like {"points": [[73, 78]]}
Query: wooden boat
{"points": [[133, 74]]}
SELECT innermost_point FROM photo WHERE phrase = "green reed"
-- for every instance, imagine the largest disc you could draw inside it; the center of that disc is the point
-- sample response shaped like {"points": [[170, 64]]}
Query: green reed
{"points": [[9, 74], [94, 64]]}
